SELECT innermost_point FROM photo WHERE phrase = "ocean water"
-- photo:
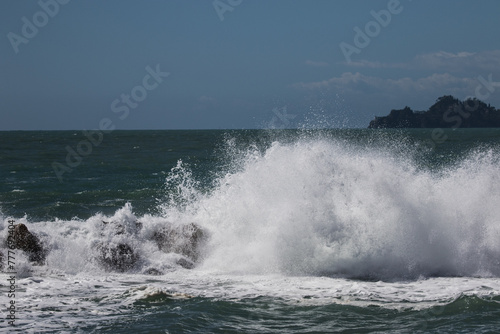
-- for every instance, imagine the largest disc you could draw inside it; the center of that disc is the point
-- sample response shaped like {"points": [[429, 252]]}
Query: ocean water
{"points": [[304, 231]]}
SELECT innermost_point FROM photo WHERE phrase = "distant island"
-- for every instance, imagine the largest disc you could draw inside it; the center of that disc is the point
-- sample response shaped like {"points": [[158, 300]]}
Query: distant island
{"points": [[447, 112]]}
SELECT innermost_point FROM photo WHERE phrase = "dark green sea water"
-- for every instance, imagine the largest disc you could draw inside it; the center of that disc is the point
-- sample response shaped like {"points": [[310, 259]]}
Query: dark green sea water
{"points": [[311, 231]]}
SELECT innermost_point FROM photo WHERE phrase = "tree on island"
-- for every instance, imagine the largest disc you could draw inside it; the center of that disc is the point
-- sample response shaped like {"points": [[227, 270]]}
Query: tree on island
{"points": [[447, 112]]}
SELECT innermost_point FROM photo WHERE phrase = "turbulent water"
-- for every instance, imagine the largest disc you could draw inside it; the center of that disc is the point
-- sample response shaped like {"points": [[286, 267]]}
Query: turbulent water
{"points": [[304, 231]]}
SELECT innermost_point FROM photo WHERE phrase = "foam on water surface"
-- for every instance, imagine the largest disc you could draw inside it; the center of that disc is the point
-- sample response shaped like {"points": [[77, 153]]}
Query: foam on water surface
{"points": [[75, 301]]}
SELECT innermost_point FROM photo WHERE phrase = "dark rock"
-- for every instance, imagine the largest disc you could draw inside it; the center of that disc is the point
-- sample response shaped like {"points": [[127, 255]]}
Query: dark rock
{"points": [[28, 242], [447, 112], [1, 261], [120, 228], [153, 271], [184, 240], [185, 263], [119, 257]]}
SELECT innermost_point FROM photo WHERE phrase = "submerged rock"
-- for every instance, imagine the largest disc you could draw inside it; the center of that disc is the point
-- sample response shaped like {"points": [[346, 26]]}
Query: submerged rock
{"points": [[119, 228], [120, 257], [185, 240], [117, 256], [153, 271], [185, 263], [28, 242]]}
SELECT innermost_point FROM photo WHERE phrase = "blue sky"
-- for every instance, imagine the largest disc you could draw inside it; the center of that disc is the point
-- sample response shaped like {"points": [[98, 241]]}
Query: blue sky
{"points": [[239, 63]]}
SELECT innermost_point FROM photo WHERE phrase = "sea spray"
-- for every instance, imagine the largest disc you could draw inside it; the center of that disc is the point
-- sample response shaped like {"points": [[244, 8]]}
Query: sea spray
{"points": [[316, 207]]}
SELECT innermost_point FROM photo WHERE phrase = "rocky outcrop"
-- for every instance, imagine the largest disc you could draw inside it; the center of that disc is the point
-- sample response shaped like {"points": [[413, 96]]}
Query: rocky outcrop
{"points": [[117, 256], [447, 112], [119, 228], [185, 240], [28, 242], [153, 272], [120, 257], [185, 263]]}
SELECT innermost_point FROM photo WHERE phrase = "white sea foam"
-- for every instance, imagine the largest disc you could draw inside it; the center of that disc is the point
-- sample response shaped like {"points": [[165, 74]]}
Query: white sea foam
{"points": [[319, 208], [69, 301]]}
